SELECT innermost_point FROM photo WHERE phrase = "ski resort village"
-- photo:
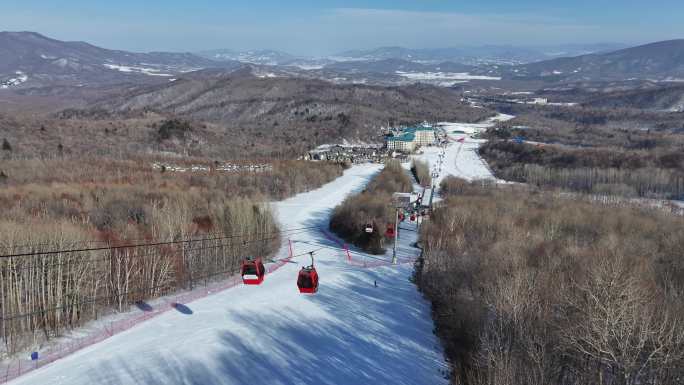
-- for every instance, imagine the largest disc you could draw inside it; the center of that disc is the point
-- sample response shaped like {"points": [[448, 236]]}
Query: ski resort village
{"points": [[397, 142], [305, 290], [393, 193]]}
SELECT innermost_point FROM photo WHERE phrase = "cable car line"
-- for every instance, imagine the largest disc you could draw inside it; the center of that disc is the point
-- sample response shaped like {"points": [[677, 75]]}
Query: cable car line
{"points": [[80, 259], [307, 281], [146, 244], [287, 259], [143, 289], [139, 240], [170, 241], [309, 287], [358, 253]]}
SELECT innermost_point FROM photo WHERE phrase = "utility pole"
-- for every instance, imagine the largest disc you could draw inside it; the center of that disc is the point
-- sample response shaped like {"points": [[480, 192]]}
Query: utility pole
{"points": [[396, 235]]}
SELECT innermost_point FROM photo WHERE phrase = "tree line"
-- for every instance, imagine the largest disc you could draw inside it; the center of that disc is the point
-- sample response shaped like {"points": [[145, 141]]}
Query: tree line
{"points": [[530, 288], [372, 207], [213, 220], [605, 170], [421, 171], [52, 286]]}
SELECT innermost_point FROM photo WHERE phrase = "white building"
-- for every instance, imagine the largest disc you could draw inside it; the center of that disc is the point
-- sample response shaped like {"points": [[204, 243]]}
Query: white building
{"points": [[424, 136], [411, 138], [405, 142]]}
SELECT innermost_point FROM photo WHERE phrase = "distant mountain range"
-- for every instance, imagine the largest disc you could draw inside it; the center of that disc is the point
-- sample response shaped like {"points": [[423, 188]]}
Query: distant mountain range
{"points": [[658, 61], [31, 58], [265, 57], [394, 65], [490, 54], [669, 97]]}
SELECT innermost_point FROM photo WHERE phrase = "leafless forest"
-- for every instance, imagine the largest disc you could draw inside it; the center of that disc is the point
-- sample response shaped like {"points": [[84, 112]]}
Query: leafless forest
{"points": [[371, 207], [530, 288], [71, 224], [421, 171], [656, 172]]}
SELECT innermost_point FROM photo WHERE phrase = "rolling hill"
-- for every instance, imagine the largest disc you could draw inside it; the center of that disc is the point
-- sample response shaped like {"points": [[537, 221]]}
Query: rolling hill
{"points": [[476, 55], [661, 61], [29, 59], [391, 66], [240, 98], [667, 98], [238, 113], [222, 114]]}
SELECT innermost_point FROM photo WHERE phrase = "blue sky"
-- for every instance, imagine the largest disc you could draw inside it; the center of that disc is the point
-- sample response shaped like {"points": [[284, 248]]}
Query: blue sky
{"points": [[329, 26]]}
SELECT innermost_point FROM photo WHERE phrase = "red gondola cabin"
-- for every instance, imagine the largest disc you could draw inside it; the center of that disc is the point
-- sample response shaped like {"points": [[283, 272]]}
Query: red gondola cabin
{"points": [[307, 281], [252, 271], [390, 231]]}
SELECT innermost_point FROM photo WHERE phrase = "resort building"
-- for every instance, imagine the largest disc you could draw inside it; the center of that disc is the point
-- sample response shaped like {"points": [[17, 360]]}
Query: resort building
{"points": [[405, 142], [410, 138], [425, 136], [347, 153]]}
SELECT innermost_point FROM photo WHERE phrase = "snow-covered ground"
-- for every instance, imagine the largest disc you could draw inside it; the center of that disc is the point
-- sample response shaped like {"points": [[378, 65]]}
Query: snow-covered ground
{"points": [[350, 332], [309, 67], [460, 158], [534, 102], [15, 81], [224, 167], [453, 76], [136, 69]]}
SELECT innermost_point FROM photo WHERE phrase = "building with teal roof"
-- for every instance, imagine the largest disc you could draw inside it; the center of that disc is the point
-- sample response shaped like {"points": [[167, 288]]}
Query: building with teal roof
{"points": [[411, 137]]}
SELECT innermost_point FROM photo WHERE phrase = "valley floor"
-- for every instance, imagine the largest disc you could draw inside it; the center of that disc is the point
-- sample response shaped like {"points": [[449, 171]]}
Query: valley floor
{"points": [[350, 332]]}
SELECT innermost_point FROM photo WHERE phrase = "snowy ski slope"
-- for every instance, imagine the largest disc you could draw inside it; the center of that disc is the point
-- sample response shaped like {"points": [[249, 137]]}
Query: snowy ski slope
{"points": [[351, 332], [461, 158]]}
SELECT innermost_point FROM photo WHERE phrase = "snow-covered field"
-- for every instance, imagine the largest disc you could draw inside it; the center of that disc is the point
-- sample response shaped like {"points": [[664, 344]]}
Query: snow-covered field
{"points": [[350, 332], [309, 67], [460, 159], [136, 69], [223, 167], [15, 81], [445, 76]]}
